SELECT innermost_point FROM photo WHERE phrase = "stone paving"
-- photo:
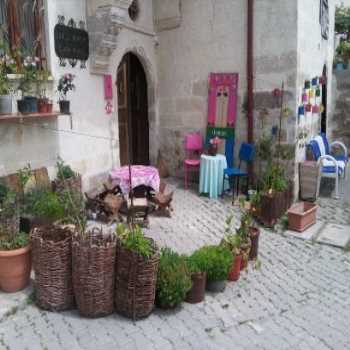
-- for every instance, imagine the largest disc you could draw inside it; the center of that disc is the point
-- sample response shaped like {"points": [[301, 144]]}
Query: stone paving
{"points": [[298, 299]]}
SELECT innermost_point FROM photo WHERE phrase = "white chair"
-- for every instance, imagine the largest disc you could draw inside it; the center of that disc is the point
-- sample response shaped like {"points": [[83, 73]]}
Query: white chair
{"points": [[331, 166]]}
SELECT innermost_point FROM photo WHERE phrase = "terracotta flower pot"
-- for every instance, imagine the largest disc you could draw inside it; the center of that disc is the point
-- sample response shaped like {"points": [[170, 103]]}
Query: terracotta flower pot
{"points": [[254, 234], [212, 150], [197, 292], [234, 272], [15, 267]]}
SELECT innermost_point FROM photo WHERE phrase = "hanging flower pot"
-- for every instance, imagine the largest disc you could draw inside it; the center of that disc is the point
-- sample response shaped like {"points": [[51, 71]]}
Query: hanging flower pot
{"points": [[301, 110], [64, 106], [318, 92], [307, 84], [305, 97], [315, 81], [308, 107]]}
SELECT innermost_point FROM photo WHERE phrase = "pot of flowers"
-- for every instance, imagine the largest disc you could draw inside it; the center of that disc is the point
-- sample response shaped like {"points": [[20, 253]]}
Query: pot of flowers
{"points": [[7, 66], [173, 280], [136, 272], [213, 146], [218, 261], [65, 84], [29, 102], [254, 234], [15, 249], [44, 104], [199, 278]]}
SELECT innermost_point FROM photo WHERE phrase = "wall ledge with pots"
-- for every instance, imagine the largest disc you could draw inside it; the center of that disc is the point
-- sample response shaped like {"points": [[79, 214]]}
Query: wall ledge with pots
{"points": [[22, 117]]}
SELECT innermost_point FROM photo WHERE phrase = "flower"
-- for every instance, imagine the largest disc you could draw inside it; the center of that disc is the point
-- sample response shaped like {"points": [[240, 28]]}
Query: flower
{"points": [[215, 141]]}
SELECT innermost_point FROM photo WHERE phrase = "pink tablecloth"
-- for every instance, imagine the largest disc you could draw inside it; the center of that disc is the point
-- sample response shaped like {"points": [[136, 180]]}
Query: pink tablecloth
{"points": [[140, 175]]}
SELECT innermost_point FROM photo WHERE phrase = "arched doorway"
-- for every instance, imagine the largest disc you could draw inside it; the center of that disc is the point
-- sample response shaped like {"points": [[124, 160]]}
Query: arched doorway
{"points": [[132, 111]]}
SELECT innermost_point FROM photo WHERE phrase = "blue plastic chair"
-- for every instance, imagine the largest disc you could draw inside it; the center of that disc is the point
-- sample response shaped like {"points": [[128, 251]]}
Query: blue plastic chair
{"points": [[246, 154]]}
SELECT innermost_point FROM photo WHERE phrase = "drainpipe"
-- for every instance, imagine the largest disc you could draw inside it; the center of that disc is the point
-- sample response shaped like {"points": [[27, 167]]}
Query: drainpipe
{"points": [[250, 69]]}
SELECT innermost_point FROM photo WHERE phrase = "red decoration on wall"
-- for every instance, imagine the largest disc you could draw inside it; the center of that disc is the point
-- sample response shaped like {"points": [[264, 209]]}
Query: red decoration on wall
{"points": [[222, 99], [108, 87]]}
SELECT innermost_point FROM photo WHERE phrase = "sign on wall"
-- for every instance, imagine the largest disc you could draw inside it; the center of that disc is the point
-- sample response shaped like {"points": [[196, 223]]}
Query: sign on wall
{"points": [[71, 43]]}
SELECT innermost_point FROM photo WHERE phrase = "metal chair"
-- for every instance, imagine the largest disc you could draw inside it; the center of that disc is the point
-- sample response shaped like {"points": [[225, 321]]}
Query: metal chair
{"points": [[331, 166], [193, 148], [246, 154]]}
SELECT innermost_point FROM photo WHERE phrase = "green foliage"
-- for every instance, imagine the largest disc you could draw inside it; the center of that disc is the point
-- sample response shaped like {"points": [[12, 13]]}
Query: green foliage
{"points": [[64, 171], [215, 261], [342, 20], [174, 280], [274, 179], [343, 51], [5, 87], [264, 148], [44, 204], [3, 191], [134, 240], [25, 174], [16, 241]]}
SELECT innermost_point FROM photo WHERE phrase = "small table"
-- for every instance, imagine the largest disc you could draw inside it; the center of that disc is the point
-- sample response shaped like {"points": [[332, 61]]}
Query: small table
{"points": [[212, 174], [140, 175]]}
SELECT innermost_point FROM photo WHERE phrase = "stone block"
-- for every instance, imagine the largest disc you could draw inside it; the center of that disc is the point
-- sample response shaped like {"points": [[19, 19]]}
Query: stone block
{"points": [[310, 234], [333, 234]]}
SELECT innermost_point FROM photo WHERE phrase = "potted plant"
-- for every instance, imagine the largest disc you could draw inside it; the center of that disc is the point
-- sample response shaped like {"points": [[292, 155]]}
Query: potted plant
{"points": [[29, 102], [93, 260], [52, 252], [217, 263], [65, 84], [15, 250], [43, 207], [7, 66], [213, 146], [136, 272], [199, 278], [173, 280], [66, 177], [233, 242], [44, 104]]}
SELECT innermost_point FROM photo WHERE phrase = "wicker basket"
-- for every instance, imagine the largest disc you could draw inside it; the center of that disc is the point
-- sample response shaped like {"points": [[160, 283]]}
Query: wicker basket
{"points": [[52, 261], [74, 184], [94, 274], [136, 280]]}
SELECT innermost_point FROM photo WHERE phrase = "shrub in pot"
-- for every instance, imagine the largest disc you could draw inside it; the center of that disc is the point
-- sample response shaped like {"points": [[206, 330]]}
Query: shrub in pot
{"points": [[233, 242], [44, 207], [65, 84], [173, 281], [15, 250], [217, 261], [7, 66], [198, 277], [136, 272]]}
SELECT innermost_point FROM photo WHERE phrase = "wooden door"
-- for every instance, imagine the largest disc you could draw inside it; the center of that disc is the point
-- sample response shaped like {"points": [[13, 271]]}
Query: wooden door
{"points": [[123, 113], [133, 111]]}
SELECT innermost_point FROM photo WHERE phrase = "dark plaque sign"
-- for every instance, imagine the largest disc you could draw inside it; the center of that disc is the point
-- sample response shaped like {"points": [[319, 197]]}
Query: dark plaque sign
{"points": [[71, 43]]}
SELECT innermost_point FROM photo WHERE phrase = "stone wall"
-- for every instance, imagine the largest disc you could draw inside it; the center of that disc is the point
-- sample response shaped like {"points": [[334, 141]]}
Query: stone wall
{"points": [[339, 125], [212, 38]]}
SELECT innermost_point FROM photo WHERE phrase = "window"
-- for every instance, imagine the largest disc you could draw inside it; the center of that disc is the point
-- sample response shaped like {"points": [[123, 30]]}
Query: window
{"points": [[22, 27]]}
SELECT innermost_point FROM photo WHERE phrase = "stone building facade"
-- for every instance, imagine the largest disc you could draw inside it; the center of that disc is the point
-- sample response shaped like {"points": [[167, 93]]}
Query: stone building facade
{"points": [[178, 43]]}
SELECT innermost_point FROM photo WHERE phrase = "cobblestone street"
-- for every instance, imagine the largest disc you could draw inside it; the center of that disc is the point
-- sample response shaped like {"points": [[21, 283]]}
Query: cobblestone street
{"points": [[298, 299]]}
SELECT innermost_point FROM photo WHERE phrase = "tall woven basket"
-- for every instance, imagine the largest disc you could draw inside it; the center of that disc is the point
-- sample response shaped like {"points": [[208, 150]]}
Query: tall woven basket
{"points": [[136, 279], [52, 262], [74, 184], [94, 274]]}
